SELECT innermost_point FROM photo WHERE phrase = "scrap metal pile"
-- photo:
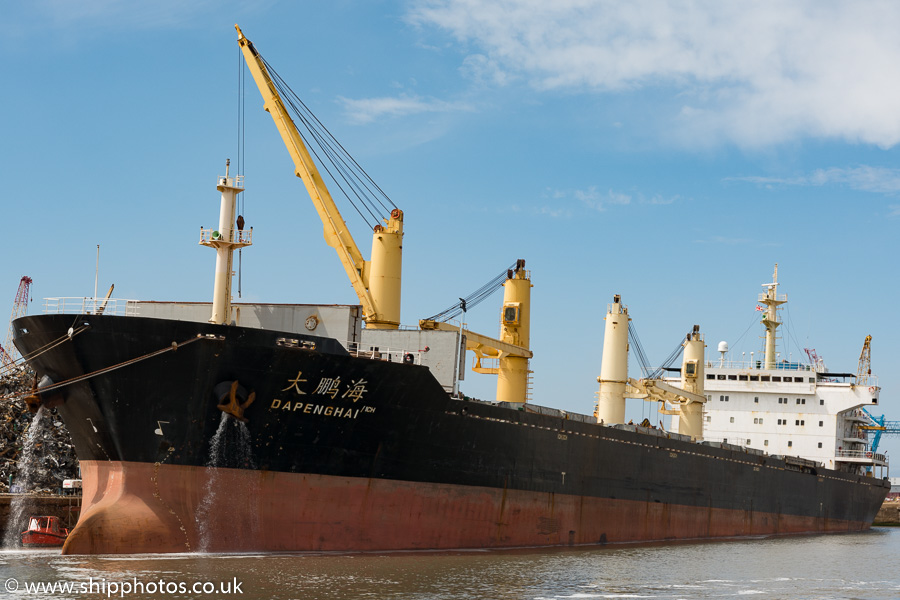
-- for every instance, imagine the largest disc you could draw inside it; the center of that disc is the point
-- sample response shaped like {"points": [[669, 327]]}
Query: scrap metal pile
{"points": [[52, 456]]}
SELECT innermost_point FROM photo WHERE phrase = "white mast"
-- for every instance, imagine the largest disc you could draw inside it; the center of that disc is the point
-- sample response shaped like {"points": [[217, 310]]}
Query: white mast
{"points": [[225, 239]]}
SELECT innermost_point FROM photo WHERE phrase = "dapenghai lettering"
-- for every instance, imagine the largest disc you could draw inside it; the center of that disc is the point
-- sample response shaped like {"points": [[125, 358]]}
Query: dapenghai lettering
{"points": [[311, 408]]}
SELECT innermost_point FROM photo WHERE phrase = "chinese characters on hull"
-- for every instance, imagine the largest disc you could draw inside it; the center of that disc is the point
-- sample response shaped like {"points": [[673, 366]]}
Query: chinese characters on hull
{"points": [[330, 387]]}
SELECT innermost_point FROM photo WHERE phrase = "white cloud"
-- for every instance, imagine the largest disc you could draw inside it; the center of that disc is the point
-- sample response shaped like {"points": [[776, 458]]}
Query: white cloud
{"points": [[365, 110], [482, 69], [592, 198], [878, 180], [751, 72], [597, 200]]}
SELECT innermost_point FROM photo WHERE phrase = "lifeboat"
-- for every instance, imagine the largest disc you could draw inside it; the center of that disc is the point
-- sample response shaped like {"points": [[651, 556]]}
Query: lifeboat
{"points": [[43, 532]]}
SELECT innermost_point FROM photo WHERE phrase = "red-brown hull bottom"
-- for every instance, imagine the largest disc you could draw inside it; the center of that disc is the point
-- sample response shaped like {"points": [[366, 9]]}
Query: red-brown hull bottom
{"points": [[146, 508]]}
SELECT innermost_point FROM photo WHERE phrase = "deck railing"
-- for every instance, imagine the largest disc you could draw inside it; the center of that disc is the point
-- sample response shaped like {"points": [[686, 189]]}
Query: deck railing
{"points": [[90, 306], [865, 455]]}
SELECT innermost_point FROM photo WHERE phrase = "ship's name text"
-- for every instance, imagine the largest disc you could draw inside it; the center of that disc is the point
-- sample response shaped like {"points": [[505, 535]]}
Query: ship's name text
{"points": [[319, 409]]}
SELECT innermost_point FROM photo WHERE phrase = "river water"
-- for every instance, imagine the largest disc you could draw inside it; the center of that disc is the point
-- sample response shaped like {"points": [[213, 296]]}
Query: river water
{"points": [[846, 566]]}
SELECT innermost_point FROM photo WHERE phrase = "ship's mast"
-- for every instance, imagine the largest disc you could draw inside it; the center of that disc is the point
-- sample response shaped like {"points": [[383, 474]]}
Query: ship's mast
{"points": [[225, 239], [770, 320]]}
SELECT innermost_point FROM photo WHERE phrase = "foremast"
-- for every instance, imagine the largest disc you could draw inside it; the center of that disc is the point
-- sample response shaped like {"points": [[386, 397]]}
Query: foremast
{"points": [[376, 282], [225, 239]]}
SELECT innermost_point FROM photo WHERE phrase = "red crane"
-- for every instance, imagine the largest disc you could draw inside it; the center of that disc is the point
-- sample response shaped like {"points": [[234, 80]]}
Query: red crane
{"points": [[20, 307]]}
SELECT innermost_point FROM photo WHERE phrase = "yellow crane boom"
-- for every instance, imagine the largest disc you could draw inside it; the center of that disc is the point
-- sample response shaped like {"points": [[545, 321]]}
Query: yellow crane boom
{"points": [[376, 282]]}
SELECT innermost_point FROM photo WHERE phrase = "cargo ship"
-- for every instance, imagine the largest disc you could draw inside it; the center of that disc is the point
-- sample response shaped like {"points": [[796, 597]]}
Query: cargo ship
{"points": [[228, 427]]}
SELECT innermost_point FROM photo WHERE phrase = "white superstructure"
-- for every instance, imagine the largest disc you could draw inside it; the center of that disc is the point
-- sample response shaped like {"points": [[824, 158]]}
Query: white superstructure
{"points": [[792, 410], [789, 408]]}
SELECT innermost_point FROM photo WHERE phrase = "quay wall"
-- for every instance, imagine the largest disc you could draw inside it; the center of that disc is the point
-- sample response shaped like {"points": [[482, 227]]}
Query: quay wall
{"points": [[889, 514]]}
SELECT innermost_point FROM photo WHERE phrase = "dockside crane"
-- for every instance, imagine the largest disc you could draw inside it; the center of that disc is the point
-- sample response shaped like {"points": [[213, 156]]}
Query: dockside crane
{"points": [[881, 427], [8, 352], [376, 281], [864, 370]]}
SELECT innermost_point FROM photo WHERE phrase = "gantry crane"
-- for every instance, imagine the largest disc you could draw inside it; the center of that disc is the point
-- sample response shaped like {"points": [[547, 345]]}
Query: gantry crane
{"points": [[376, 281], [880, 427]]}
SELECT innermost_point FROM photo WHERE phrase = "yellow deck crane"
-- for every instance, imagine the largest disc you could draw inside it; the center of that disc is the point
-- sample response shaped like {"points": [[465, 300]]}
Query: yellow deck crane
{"points": [[376, 281]]}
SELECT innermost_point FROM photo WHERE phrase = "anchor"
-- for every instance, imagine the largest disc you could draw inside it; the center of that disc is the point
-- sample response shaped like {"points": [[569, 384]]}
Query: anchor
{"points": [[229, 401], [33, 400], [37, 398]]}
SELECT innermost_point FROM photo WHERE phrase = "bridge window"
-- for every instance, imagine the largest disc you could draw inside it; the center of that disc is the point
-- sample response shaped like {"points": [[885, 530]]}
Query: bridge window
{"points": [[820, 444], [776, 378], [790, 444]]}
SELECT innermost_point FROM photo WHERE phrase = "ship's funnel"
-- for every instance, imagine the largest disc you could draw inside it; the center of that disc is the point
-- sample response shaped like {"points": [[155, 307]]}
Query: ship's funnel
{"points": [[614, 365]]}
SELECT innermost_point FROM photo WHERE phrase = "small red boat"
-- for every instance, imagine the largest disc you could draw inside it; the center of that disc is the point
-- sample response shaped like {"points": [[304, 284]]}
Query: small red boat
{"points": [[44, 531]]}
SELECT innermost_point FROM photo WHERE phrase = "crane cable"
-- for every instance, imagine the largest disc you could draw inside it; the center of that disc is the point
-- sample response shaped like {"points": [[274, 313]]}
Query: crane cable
{"points": [[476, 297], [370, 198], [644, 362], [240, 167]]}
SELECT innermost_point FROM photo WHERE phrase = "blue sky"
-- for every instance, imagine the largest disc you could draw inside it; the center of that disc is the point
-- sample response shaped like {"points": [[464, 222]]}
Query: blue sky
{"points": [[668, 152]]}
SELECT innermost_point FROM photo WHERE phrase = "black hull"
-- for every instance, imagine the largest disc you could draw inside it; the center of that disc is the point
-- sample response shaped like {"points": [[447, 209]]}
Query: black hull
{"points": [[325, 413]]}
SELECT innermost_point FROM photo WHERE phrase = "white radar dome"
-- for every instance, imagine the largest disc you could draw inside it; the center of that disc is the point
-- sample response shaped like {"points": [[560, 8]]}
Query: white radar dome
{"points": [[723, 347]]}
